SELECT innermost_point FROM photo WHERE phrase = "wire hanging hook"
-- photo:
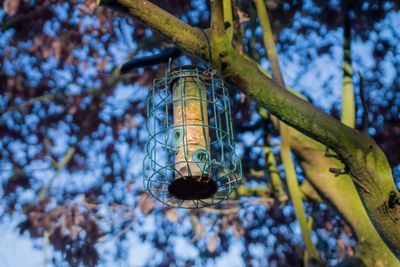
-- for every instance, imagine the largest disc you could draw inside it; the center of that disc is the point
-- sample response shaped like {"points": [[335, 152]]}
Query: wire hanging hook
{"points": [[209, 67], [169, 64]]}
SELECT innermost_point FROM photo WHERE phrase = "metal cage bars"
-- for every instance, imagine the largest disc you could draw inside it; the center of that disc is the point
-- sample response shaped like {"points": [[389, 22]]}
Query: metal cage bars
{"points": [[191, 139]]}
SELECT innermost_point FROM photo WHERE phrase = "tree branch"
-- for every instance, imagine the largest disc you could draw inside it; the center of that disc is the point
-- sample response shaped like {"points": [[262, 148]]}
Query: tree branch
{"points": [[341, 194], [21, 18], [275, 180], [245, 191], [228, 18], [217, 18], [348, 102], [278, 191], [189, 38], [148, 61], [309, 193], [269, 43], [364, 127]]}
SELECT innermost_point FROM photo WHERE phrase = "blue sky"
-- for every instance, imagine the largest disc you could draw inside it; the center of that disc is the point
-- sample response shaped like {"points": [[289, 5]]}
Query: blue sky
{"points": [[17, 250]]}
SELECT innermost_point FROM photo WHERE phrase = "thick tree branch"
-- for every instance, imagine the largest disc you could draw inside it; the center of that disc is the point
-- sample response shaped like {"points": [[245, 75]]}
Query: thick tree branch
{"points": [[366, 162], [341, 194], [189, 38]]}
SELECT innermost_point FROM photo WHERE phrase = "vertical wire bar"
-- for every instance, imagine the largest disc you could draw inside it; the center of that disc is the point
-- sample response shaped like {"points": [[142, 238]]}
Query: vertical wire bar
{"points": [[229, 122], [166, 133], [154, 129], [203, 122], [182, 83], [215, 111], [185, 147], [220, 137], [231, 143]]}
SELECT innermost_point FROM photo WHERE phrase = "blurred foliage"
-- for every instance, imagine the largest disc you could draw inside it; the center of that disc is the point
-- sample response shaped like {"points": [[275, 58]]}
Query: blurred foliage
{"points": [[72, 130]]}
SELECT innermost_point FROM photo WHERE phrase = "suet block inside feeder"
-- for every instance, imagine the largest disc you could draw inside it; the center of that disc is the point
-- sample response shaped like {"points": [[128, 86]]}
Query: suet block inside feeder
{"points": [[191, 140]]}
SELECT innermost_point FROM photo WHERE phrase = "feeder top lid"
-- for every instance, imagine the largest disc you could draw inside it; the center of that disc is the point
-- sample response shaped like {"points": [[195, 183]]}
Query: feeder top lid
{"points": [[187, 67]]}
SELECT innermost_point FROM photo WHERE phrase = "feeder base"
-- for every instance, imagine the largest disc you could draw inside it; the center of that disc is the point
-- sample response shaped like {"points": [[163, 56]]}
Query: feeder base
{"points": [[193, 187]]}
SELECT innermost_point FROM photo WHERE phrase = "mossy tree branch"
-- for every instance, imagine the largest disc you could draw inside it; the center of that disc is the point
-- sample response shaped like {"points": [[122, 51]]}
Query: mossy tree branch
{"points": [[348, 103], [228, 18], [341, 194], [217, 20], [365, 161], [183, 35], [290, 170], [269, 43], [275, 181], [309, 192]]}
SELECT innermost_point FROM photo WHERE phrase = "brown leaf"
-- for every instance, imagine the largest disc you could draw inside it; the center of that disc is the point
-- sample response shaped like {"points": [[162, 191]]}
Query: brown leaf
{"points": [[56, 46], [63, 223], [74, 232], [238, 229], [341, 244], [73, 110], [102, 64], [267, 201], [242, 16], [11, 7], [349, 251], [224, 224], [171, 215], [88, 8], [212, 244], [197, 227], [45, 52], [272, 4], [145, 203], [128, 186]]}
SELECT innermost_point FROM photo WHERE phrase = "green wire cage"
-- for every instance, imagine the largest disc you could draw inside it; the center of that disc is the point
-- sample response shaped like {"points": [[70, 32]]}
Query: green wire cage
{"points": [[191, 160]]}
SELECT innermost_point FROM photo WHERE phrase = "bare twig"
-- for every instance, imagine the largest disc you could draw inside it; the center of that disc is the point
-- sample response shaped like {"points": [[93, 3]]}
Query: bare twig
{"points": [[338, 172], [25, 17], [330, 155], [364, 103]]}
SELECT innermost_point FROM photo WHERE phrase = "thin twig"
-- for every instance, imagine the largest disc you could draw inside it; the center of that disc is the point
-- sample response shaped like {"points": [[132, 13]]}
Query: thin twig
{"points": [[290, 171], [364, 103]]}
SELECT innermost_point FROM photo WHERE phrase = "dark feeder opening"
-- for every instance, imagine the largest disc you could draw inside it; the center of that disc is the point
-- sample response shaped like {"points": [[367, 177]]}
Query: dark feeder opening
{"points": [[191, 137], [193, 188]]}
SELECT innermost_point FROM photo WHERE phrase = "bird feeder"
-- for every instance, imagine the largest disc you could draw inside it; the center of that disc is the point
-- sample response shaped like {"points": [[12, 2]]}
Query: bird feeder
{"points": [[191, 160]]}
